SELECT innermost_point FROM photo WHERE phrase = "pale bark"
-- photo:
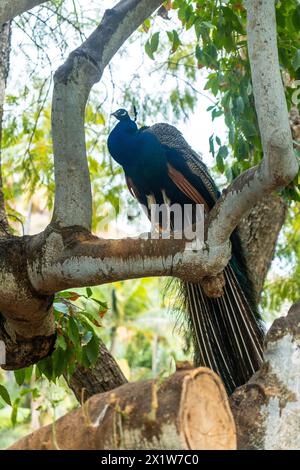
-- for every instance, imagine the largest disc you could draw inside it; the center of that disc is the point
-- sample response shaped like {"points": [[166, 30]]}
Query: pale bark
{"points": [[267, 408], [75, 258], [5, 35], [189, 410], [11, 8]]}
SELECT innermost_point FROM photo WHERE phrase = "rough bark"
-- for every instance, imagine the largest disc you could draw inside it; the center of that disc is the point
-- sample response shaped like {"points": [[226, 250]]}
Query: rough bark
{"points": [[189, 410], [267, 408], [5, 35], [259, 233], [295, 126], [56, 260], [27, 322], [104, 376]]}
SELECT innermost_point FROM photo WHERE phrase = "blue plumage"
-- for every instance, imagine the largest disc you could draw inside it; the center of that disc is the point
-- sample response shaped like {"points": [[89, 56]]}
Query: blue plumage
{"points": [[161, 167]]}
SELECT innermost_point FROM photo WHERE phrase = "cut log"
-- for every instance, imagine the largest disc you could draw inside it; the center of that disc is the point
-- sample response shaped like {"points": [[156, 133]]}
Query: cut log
{"points": [[188, 410], [267, 408]]}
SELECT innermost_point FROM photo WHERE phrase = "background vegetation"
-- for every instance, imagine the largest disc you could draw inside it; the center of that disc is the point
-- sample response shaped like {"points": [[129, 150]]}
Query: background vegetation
{"points": [[195, 53]]}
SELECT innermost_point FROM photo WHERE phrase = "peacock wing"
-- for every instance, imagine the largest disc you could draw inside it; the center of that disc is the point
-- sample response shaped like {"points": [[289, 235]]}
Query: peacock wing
{"points": [[185, 166]]}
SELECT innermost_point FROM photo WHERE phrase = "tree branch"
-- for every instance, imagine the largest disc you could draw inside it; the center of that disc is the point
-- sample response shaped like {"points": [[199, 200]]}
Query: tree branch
{"points": [[75, 258], [104, 376], [279, 165], [5, 36], [72, 84], [259, 233], [11, 8], [267, 408]]}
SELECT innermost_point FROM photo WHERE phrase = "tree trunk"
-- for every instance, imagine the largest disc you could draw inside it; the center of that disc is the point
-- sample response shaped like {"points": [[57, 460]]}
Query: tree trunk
{"points": [[259, 232], [189, 410], [5, 36], [104, 376], [267, 408]]}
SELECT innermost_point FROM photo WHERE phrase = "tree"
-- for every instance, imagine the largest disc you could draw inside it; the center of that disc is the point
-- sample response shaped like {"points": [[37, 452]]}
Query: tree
{"points": [[66, 254]]}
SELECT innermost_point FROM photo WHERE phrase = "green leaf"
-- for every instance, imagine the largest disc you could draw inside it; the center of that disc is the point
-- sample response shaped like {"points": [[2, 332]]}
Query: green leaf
{"points": [[101, 303], [68, 295], [239, 105], [5, 395], [146, 25], [61, 342], [208, 24], [175, 42], [223, 151], [73, 331], [220, 163], [200, 55], [28, 373], [296, 60], [154, 42], [45, 367], [148, 50], [59, 362], [170, 35], [14, 412], [20, 376], [92, 349], [280, 18], [211, 145], [216, 113], [248, 128], [89, 292], [296, 18]]}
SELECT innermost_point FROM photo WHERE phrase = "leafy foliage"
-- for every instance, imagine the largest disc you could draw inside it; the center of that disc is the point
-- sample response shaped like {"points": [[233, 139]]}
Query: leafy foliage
{"points": [[78, 322], [218, 35]]}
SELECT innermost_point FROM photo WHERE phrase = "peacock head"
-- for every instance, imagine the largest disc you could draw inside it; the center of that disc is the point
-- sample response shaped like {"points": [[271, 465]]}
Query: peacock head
{"points": [[121, 115]]}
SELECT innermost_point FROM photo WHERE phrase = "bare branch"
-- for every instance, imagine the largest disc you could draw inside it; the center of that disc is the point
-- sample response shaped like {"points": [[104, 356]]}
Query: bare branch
{"points": [[279, 165], [105, 375], [69, 259], [11, 8], [73, 82], [267, 408]]}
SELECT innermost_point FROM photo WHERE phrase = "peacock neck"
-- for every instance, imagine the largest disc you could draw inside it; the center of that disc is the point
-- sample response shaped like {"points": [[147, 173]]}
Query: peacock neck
{"points": [[122, 141]]}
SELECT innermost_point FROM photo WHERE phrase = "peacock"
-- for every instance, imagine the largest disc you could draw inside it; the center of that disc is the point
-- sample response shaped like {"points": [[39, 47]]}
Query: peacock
{"points": [[160, 167]]}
